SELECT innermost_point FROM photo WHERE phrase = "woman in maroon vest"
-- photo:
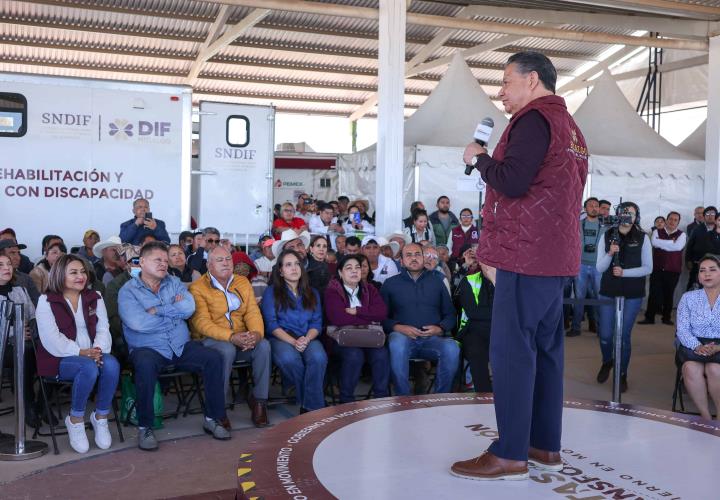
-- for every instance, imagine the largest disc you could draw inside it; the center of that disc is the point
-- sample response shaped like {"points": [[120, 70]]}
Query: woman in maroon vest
{"points": [[464, 234], [75, 345]]}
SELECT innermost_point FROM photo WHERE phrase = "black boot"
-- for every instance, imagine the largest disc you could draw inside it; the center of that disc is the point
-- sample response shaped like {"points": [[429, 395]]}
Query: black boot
{"points": [[604, 372]]}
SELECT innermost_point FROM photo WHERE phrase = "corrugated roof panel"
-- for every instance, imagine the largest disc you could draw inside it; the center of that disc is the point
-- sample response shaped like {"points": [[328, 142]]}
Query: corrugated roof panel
{"points": [[80, 73], [299, 58], [270, 71]]}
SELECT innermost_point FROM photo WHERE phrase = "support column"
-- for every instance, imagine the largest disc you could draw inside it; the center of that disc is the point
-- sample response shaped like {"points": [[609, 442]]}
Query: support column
{"points": [[391, 96], [712, 141]]}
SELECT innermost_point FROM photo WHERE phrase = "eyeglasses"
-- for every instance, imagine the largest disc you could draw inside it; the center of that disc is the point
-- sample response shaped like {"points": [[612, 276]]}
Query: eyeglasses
{"points": [[210, 240], [466, 216]]}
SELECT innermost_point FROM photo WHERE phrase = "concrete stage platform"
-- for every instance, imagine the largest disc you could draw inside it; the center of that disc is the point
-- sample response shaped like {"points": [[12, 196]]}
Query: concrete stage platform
{"points": [[401, 448]]}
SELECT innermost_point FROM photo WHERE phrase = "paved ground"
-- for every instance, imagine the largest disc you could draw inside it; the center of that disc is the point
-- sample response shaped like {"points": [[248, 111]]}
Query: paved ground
{"points": [[191, 463]]}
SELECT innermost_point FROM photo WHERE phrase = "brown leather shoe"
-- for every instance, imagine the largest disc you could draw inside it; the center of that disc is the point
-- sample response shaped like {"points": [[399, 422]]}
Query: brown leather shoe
{"points": [[258, 412], [545, 460], [488, 467], [225, 422]]}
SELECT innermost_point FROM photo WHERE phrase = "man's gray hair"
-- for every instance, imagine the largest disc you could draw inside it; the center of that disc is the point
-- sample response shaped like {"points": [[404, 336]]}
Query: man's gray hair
{"points": [[210, 230]]}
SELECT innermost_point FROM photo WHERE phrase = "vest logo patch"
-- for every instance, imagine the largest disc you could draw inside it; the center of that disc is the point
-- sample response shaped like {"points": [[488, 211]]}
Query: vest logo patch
{"points": [[575, 147]]}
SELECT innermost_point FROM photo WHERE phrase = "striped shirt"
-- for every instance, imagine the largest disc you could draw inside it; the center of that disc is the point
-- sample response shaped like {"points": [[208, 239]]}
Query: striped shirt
{"points": [[696, 319]]}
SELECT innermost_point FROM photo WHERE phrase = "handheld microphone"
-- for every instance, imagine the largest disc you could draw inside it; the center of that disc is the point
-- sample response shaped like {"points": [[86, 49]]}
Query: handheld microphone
{"points": [[482, 136]]}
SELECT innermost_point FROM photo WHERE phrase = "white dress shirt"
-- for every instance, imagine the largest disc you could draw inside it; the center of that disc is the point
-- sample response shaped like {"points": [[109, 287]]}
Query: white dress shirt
{"points": [[57, 344]]}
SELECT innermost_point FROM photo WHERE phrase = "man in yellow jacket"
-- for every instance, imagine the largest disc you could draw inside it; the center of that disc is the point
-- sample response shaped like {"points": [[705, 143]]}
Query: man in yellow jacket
{"points": [[227, 319]]}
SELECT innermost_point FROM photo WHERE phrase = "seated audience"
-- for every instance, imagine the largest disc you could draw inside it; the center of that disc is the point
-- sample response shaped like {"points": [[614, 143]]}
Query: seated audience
{"points": [[381, 266], [475, 295], [408, 221], [109, 264], [178, 264], [90, 239], [242, 264], [75, 345], [14, 292], [130, 255], [265, 263], [153, 309], [41, 272], [420, 312], [142, 224], [325, 223], [698, 331], [350, 302], [230, 322], [198, 260], [366, 275], [340, 244], [290, 240], [419, 231], [355, 225], [318, 269], [352, 245], [288, 220], [11, 249], [26, 264], [305, 207], [293, 319]]}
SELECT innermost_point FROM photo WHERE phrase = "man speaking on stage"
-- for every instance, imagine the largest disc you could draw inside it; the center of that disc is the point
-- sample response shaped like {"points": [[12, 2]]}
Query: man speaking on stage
{"points": [[531, 238]]}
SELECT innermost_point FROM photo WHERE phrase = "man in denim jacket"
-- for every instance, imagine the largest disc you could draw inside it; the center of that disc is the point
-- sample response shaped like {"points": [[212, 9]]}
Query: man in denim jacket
{"points": [[153, 308]]}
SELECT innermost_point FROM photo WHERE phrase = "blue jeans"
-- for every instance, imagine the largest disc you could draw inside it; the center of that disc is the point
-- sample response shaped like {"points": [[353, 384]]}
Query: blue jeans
{"points": [[606, 329], [84, 372], [195, 358], [587, 282], [351, 363], [305, 370], [402, 348]]}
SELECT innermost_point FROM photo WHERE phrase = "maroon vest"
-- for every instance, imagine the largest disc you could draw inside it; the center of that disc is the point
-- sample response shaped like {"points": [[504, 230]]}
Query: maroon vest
{"points": [[461, 238], [664, 260], [538, 234], [47, 364]]}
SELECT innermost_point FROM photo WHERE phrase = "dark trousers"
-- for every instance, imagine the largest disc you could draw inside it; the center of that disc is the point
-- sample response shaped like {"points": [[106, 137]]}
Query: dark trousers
{"points": [[526, 355], [195, 358], [351, 363], [662, 291], [476, 349]]}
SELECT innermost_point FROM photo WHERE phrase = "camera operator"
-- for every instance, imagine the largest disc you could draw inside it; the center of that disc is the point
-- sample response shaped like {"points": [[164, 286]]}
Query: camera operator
{"points": [[624, 264]]}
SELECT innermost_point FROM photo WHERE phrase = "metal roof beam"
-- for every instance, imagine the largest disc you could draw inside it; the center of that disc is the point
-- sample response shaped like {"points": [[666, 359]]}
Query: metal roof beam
{"points": [[666, 7], [318, 8], [664, 25], [215, 43], [580, 80]]}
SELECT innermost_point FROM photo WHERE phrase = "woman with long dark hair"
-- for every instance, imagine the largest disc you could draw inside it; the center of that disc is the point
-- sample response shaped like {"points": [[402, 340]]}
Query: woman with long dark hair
{"points": [[624, 258], [420, 230], [318, 269], [351, 302], [41, 272], [293, 320]]}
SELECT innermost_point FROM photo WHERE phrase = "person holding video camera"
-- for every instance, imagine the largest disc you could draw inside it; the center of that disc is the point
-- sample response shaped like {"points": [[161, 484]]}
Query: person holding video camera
{"points": [[624, 259], [135, 230]]}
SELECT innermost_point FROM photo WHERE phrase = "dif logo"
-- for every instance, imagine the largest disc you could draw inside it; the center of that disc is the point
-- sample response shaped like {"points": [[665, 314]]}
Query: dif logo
{"points": [[122, 129]]}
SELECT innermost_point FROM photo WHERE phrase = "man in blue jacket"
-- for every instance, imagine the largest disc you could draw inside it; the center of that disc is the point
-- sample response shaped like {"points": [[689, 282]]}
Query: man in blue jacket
{"points": [[136, 229], [153, 309], [420, 312]]}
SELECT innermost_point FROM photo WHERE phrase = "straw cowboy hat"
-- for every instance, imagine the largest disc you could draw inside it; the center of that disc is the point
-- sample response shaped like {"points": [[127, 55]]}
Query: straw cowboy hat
{"points": [[285, 237], [112, 241]]}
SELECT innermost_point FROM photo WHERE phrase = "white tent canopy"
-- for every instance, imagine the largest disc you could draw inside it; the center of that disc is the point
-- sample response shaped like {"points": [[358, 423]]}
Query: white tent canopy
{"points": [[695, 142], [613, 128], [434, 136], [629, 159]]}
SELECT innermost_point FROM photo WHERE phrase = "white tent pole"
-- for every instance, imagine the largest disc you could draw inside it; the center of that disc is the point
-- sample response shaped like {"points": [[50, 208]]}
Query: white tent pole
{"points": [[391, 94], [712, 139]]}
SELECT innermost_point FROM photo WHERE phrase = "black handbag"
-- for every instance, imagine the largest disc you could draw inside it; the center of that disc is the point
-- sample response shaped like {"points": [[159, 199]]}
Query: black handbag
{"points": [[357, 336]]}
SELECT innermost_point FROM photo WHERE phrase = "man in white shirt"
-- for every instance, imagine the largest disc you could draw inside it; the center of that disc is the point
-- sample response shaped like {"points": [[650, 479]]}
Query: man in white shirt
{"points": [[381, 267], [668, 244], [326, 223]]}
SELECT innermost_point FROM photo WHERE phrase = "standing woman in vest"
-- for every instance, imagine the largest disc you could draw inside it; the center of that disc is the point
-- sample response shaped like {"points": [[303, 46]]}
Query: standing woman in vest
{"points": [[75, 345], [624, 264], [465, 234]]}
